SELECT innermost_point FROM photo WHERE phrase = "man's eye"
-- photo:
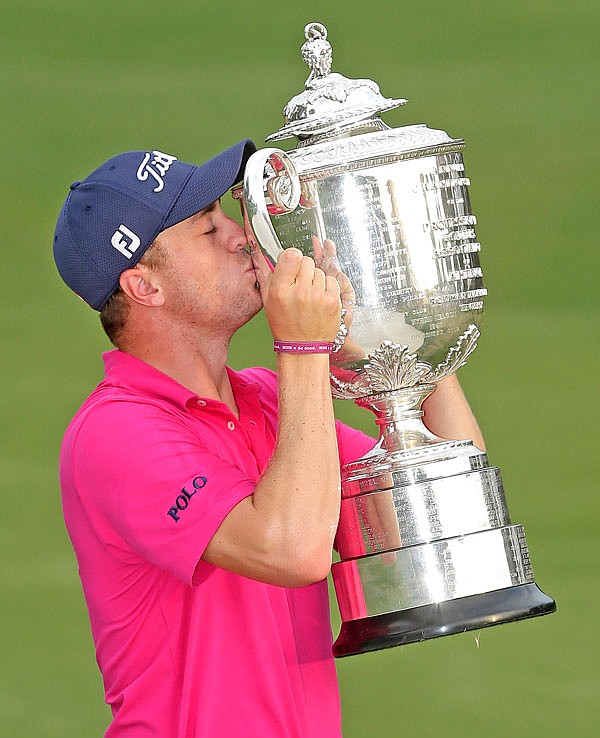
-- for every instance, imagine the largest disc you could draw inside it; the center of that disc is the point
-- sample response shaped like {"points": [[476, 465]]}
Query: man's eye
{"points": [[212, 230]]}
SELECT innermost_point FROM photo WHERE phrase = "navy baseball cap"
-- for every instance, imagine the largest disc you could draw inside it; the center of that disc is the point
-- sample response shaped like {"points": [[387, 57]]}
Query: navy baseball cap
{"points": [[110, 218]]}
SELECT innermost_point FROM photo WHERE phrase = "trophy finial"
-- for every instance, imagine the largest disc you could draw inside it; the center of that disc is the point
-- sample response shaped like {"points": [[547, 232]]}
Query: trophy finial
{"points": [[314, 31], [330, 103], [316, 52]]}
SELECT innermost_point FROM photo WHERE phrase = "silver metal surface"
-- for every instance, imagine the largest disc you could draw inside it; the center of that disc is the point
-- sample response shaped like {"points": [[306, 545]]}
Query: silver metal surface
{"points": [[395, 202], [432, 572], [329, 100], [422, 512], [389, 471], [423, 519], [406, 243]]}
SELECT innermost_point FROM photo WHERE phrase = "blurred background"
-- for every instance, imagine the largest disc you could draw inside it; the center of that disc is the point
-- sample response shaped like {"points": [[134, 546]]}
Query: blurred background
{"points": [[519, 81]]}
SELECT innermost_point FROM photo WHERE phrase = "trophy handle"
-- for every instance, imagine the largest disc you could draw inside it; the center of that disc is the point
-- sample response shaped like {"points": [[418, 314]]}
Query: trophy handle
{"points": [[271, 187]]}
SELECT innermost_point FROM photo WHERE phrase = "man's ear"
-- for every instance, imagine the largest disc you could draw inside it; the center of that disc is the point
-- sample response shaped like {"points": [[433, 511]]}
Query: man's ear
{"points": [[142, 285]]}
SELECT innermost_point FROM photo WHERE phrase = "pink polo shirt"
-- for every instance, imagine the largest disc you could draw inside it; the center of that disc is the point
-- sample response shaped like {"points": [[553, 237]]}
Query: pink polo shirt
{"points": [[148, 472]]}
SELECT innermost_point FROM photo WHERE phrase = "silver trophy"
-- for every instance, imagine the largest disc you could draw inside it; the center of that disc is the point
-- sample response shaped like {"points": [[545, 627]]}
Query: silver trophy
{"points": [[425, 541]]}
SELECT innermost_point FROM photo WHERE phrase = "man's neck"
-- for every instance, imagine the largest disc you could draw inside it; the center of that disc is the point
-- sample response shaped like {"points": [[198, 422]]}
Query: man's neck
{"points": [[197, 363]]}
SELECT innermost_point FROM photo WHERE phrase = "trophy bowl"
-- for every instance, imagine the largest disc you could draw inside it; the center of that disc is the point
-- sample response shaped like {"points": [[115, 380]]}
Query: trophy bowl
{"points": [[425, 541]]}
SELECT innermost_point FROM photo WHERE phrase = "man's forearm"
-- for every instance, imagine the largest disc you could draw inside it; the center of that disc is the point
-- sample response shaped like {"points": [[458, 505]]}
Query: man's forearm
{"points": [[448, 414], [299, 493], [283, 534]]}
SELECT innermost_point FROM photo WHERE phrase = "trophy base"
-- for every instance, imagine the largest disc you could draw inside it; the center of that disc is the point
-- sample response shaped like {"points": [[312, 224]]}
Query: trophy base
{"points": [[440, 619]]}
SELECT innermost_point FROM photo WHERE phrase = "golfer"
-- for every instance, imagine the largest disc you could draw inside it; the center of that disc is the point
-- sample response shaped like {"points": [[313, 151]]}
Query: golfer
{"points": [[202, 502]]}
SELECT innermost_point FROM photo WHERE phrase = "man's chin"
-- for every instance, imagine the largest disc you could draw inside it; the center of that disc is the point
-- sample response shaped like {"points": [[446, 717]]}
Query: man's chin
{"points": [[251, 313]]}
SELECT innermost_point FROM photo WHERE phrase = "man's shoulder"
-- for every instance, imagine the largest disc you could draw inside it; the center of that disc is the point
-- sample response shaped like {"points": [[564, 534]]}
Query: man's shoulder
{"points": [[112, 410], [107, 395]]}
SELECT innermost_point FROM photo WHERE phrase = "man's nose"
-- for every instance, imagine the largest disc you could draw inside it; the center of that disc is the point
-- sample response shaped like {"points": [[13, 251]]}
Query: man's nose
{"points": [[236, 236]]}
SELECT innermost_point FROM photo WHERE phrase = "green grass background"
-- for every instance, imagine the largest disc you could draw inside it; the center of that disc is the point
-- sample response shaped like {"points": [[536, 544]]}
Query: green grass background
{"points": [[80, 81]]}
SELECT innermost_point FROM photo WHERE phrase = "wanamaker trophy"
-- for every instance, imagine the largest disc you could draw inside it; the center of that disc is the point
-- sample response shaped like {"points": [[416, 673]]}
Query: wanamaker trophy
{"points": [[426, 544]]}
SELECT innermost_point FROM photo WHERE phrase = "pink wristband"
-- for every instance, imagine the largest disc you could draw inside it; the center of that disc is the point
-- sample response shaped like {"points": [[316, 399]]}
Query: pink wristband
{"points": [[303, 347]]}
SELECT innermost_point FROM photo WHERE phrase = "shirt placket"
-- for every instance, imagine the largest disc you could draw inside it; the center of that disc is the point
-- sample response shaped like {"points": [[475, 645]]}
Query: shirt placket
{"points": [[232, 432]]}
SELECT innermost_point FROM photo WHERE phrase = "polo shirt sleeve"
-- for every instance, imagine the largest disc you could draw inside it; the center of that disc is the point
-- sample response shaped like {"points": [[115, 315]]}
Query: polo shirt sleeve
{"points": [[352, 443], [149, 487]]}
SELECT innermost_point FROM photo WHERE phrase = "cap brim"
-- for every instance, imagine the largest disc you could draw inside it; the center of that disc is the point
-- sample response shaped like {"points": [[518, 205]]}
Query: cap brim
{"points": [[210, 181]]}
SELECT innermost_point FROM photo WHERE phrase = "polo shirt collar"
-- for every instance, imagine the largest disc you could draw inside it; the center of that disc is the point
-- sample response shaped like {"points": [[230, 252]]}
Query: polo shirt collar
{"points": [[126, 371]]}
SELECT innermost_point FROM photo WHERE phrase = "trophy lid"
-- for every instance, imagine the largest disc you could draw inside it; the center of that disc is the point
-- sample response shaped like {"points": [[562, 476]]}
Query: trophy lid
{"points": [[330, 101]]}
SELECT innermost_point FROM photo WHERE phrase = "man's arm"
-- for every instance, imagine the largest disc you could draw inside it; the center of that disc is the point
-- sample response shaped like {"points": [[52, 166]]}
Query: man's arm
{"points": [[448, 414], [283, 534]]}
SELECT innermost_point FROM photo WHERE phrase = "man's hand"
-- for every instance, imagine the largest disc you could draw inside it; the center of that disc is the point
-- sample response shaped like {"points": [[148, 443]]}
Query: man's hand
{"points": [[301, 301], [325, 256]]}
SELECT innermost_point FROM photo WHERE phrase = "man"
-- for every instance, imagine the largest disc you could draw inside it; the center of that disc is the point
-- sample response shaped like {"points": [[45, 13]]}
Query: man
{"points": [[202, 503]]}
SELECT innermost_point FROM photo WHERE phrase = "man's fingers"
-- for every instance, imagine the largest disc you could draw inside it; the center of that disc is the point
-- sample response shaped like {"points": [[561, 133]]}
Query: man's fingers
{"points": [[318, 279], [325, 255], [317, 251], [330, 250], [306, 272], [293, 269], [288, 266], [332, 285]]}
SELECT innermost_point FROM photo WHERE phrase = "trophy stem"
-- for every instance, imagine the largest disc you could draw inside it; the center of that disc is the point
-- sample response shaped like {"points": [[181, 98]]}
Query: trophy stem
{"points": [[399, 417]]}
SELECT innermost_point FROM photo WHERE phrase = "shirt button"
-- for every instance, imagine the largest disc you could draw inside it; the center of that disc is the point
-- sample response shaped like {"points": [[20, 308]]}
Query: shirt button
{"points": [[201, 403], [231, 425]]}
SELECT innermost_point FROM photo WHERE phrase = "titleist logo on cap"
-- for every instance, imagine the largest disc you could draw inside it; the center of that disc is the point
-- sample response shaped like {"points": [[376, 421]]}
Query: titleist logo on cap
{"points": [[155, 164]]}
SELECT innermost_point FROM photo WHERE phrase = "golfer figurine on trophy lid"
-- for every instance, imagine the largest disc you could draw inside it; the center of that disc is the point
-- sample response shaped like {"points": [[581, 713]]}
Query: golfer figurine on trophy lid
{"points": [[426, 544]]}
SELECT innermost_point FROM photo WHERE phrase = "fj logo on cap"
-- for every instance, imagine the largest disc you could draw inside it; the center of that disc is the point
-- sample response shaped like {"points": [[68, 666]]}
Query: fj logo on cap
{"points": [[155, 165], [125, 241]]}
